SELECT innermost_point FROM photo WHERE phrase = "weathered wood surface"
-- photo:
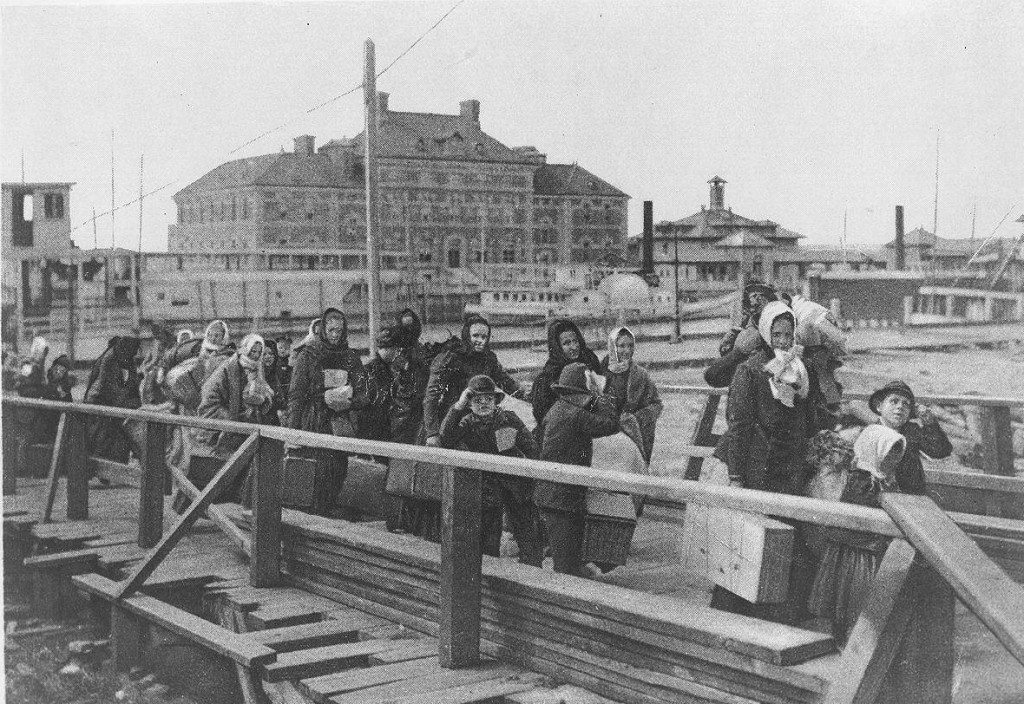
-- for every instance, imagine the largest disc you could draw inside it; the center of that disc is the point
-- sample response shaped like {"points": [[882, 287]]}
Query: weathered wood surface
{"points": [[981, 584], [151, 489], [459, 610]]}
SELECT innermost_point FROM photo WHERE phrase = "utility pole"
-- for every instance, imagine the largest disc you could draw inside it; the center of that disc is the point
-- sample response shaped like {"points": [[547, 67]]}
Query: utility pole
{"points": [[372, 102], [95, 234], [112, 208], [138, 256]]}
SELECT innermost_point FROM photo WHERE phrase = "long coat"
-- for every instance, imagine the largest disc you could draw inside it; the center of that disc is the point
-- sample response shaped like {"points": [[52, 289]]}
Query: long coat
{"points": [[928, 438], [640, 406], [307, 409], [395, 392], [568, 436], [222, 400], [110, 384], [765, 440], [542, 396], [450, 373]]}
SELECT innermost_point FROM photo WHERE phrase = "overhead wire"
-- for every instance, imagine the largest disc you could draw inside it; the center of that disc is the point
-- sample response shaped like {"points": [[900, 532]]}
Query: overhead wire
{"points": [[265, 133]]}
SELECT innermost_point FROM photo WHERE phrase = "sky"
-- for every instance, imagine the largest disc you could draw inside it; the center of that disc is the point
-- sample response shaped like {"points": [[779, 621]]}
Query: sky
{"points": [[811, 110]]}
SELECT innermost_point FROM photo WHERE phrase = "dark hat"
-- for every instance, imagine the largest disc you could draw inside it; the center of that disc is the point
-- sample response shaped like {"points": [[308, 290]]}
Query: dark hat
{"points": [[389, 336], [61, 361], [893, 387], [483, 384], [755, 286], [573, 379]]}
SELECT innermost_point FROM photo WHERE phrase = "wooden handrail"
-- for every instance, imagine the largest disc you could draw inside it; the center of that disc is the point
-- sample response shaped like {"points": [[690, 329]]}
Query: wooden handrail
{"points": [[996, 401]]}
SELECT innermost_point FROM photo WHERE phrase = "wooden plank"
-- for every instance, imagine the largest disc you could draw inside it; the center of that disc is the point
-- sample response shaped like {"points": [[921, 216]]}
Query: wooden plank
{"points": [[459, 618], [320, 661], [279, 615], [222, 479], [128, 638], [265, 567], [431, 684], [308, 635], [997, 458], [56, 559], [486, 691], [876, 634], [980, 583], [238, 647], [60, 450], [320, 689], [413, 649], [215, 513], [702, 435], [151, 490], [77, 472], [972, 480]]}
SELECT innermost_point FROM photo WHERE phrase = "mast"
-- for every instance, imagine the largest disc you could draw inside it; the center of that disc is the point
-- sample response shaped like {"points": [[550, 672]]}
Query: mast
{"points": [[935, 219], [138, 256], [372, 103], [112, 208], [95, 235]]}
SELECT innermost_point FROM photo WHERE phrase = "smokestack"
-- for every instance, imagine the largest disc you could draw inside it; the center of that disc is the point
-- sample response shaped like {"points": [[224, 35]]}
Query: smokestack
{"points": [[648, 242], [900, 247]]}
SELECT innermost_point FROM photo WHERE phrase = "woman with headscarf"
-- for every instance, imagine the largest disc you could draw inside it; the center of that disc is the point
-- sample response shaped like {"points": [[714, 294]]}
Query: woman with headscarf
{"points": [[30, 382], [635, 394], [58, 388], [272, 373], [565, 346], [113, 381], [765, 443], [744, 340], [411, 370], [851, 558], [328, 386], [311, 334]]}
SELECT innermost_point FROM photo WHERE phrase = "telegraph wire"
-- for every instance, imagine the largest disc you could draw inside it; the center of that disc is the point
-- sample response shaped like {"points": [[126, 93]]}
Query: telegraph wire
{"points": [[329, 101]]}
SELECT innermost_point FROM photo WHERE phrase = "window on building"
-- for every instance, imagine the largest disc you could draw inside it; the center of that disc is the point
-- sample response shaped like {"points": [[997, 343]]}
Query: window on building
{"points": [[160, 296], [234, 211], [53, 206], [22, 215], [508, 256], [454, 258], [245, 208]]}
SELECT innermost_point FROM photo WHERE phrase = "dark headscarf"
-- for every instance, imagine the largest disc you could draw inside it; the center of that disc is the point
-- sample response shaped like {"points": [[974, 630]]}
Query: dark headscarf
{"points": [[270, 345], [61, 361], [125, 349], [410, 335], [321, 331], [468, 323]]}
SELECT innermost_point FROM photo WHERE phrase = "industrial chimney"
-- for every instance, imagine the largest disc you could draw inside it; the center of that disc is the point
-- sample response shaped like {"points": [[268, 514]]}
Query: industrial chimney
{"points": [[648, 239], [717, 193], [899, 244]]}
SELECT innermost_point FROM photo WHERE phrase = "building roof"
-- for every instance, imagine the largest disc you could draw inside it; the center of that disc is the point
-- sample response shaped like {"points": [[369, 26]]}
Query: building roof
{"points": [[571, 180], [282, 169], [715, 223], [948, 247], [744, 238], [426, 135], [11, 185]]}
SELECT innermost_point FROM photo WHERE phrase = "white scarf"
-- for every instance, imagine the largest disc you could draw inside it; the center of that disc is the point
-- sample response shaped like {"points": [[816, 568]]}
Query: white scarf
{"points": [[789, 377], [872, 446]]}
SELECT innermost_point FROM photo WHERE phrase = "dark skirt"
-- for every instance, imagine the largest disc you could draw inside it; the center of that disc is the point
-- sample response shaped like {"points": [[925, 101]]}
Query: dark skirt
{"points": [[842, 583]]}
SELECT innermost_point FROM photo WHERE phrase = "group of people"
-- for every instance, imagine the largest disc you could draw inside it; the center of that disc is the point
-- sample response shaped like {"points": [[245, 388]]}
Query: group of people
{"points": [[782, 415]]}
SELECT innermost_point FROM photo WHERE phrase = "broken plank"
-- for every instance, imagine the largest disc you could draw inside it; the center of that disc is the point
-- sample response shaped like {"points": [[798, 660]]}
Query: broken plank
{"points": [[308, 635], [320, 689], [320, 661]]}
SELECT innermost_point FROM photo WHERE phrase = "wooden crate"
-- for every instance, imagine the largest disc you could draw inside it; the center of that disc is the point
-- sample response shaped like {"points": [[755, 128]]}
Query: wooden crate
{"points": [[608, 530], [749, 555]]}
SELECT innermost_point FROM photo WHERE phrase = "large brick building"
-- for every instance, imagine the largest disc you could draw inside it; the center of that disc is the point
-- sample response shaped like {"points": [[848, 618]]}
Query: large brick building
{"points": [[451, 196]]}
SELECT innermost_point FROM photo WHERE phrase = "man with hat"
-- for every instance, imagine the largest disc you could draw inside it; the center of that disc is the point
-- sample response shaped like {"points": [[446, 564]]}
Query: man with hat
{"points": [[375, 420], [476, 423], [579, 415], [895, 406], [741, 342]]}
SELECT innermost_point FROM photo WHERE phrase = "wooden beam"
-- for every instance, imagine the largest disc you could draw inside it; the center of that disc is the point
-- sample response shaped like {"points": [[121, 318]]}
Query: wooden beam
{"points": [[702, 435], [214, 512], [265, 562], [878, 631], [76, 469], [459, 618], [60, 448], [238, 647], [151, 488], [235, 464], [980, 583], [997, 457]]}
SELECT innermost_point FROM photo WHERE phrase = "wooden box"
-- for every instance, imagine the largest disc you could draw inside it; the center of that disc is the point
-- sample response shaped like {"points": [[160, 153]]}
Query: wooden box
{"points": [[749, 555], [608, 530]]}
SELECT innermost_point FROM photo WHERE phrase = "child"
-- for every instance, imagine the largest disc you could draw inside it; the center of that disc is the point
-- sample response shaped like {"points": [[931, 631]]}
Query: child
{"points": [[475, 423], [829, 459], [851, 558], [895, 406]]}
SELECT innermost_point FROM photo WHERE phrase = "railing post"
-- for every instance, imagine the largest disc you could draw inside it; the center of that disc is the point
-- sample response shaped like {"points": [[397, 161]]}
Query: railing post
{"points": [[151, 488], [459, 616], [10, 452], [997, 456], [77, 469], [265, 561]]}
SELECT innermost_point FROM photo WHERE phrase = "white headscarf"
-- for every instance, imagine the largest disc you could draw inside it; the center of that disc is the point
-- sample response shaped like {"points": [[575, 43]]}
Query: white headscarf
{"points": [[872, 446], [184, 336], [39, 349], [614, 365], [210, 346], [245, 347], [788, 374]]}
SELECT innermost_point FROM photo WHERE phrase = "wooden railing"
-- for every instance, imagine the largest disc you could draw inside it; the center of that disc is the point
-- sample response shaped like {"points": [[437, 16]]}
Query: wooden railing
{"points": [[954, 562]]}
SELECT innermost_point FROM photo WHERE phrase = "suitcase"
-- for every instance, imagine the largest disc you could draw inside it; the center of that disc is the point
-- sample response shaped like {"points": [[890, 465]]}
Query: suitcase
{"points": [[300, 478], [410, 479], [749, 554], [608, 528]]}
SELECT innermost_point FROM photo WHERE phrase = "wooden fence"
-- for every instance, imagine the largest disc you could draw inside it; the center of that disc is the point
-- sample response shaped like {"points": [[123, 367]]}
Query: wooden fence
{"points": [[930, 560]]}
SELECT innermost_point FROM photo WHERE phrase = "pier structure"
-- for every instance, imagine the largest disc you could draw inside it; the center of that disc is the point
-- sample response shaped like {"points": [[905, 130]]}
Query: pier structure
{"points": [[343, 612]]}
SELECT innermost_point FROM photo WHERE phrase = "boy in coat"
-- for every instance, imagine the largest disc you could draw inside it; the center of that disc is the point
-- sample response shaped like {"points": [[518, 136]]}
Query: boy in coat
{"points": [[896, 406]]}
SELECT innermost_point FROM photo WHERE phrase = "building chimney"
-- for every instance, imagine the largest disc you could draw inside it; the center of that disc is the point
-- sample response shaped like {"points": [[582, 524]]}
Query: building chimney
{"points": [[470, 109], [717, 193], [648, 240], [901, 262], [305, 145], [382, 101]]}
